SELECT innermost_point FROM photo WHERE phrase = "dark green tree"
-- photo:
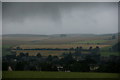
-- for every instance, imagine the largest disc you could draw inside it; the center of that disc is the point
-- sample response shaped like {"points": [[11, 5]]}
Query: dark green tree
{"points": [[39, 55]]}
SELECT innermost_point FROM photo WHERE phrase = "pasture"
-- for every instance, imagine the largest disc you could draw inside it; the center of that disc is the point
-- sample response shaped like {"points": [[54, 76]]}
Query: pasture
{"points": [[38, 74], [91, 41], [6, 49]]}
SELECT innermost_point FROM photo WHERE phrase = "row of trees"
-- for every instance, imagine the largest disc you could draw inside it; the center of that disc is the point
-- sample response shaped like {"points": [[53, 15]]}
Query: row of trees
{"points": [[68, 62], [51, 63], [54, 63], [70, 49]]}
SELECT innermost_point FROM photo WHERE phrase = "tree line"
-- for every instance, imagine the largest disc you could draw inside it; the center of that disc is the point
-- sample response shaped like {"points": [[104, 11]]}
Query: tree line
{"points": [[68, 62]]}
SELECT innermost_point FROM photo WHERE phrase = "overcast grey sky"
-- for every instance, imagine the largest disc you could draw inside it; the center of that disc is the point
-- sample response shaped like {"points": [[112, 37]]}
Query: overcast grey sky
{"points": [[60, 18], [0, 17]]}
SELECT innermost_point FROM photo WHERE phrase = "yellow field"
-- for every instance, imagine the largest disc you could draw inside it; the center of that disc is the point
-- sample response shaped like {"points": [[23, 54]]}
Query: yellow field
{"points": [[70, 41], [53, 53], [42, 52]]}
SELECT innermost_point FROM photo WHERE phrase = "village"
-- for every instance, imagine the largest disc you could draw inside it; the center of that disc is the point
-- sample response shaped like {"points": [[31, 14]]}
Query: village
{"points": [[76, 60]]}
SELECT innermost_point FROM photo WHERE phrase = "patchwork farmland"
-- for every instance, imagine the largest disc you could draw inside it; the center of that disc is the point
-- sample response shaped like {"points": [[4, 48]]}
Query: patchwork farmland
{"points": [[57, 55], [52, 52], [55, 41]]}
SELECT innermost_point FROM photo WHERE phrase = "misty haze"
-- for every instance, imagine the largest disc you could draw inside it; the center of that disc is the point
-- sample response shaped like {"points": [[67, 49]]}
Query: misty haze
{"points": [[60, 40], [60, 18]]}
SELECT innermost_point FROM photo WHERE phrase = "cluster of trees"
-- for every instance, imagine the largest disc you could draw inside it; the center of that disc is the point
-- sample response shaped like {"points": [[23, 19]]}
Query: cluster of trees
{"points": [[74, 62], [50, 63], [54, 63]]}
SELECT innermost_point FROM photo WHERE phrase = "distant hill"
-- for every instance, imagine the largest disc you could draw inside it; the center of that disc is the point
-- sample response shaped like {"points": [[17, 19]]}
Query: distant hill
{"points": [[56, 35], [23, 35]]}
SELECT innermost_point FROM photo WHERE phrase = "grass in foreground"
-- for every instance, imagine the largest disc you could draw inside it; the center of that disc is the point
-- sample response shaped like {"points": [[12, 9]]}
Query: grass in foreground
{"points": [[38, 74]]}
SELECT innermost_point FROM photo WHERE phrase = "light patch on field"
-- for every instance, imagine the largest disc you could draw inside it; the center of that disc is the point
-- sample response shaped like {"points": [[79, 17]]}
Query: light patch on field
{"points": [[91, 41]]}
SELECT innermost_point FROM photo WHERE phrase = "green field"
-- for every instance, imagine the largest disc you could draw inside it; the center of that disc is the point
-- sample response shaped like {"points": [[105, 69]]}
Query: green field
{"points": [[109, 53], [5, 50], [105, 52], [38, 74], [32, 41], [91, 41]]}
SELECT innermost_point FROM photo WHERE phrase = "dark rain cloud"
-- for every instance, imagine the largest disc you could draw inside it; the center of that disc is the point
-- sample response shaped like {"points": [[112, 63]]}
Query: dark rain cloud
{"points": [[53, 18]]}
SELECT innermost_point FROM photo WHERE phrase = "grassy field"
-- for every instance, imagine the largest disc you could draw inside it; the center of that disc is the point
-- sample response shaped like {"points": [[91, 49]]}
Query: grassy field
{"points": [[30, 39], [91, 41], [74, 41], [58, 53], [37, 74], [5, 50], [109, 53]]}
